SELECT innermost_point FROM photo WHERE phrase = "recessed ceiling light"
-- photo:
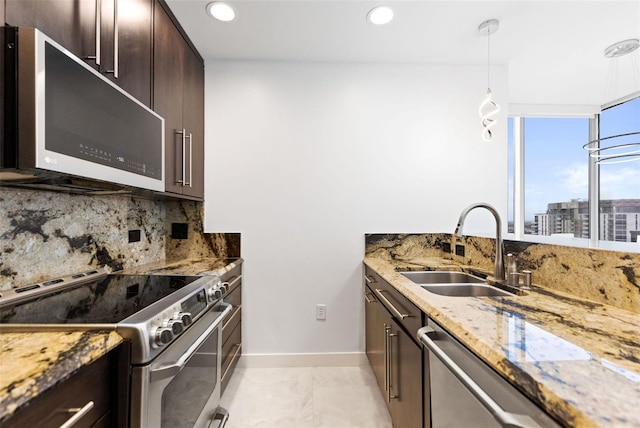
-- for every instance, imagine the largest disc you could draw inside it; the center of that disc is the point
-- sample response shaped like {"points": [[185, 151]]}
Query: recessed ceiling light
{"points": [[221, 11], [380, 15]]}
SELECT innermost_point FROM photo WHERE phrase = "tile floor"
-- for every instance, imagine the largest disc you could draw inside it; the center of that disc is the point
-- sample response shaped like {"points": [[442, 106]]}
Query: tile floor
{"points": [[305, 397]]}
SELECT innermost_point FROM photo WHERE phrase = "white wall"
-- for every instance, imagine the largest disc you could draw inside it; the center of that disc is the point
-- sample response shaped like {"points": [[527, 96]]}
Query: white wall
{"points": [[305, 158]]}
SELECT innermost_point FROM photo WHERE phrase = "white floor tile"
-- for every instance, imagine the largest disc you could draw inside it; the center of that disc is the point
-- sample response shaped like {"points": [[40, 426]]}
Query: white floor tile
{"points": [[336, 397]]}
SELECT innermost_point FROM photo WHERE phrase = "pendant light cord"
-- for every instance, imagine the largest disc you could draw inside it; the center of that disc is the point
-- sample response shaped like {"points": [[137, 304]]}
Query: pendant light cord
{"points": [[488, 58]]}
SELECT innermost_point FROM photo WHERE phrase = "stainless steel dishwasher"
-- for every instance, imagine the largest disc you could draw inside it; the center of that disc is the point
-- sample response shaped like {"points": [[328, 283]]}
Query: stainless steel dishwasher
{"points": [[465, 392]]}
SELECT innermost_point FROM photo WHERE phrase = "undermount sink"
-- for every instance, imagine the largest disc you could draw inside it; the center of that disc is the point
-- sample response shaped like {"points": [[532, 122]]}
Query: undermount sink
{"points": [[441, 277], [454, 284], [466, 290]]}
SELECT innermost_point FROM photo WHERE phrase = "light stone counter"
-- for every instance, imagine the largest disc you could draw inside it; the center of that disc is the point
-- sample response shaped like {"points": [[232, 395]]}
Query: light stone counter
{"points": [[577, 359], [34, 362]]}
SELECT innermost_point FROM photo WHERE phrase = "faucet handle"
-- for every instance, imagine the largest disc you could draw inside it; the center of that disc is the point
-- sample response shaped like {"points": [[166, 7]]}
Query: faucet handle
{"points": [[526, 274], [512, 265]]}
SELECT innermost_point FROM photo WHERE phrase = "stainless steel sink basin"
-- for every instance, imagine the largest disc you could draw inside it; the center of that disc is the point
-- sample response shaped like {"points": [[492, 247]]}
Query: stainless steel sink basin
{"points": [[454, 284], [442, 277], [466, 290]]}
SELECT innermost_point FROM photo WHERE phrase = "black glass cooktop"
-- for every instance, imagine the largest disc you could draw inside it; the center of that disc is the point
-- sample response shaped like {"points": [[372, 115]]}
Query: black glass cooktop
{"points": [[105, 301]]}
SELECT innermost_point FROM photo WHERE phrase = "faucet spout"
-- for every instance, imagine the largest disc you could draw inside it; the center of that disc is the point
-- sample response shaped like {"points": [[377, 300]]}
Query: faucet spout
{"points": [[498, 264]]}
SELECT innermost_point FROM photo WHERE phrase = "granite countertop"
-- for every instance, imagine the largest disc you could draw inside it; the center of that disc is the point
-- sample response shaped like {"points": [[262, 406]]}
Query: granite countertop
{"points": [[577, 359], [34, 362]]}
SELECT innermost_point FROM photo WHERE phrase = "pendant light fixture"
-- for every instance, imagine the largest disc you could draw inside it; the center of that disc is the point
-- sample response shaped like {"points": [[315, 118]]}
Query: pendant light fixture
{"points": [[618, 148], [488, 107]]}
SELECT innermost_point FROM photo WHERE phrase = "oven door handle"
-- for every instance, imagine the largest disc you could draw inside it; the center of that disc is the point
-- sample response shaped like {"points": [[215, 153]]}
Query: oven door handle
{"points": [[171, 369]]}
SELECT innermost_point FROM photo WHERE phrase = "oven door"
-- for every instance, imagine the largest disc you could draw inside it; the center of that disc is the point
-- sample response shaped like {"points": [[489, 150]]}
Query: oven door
{"points": [[181, 387]]}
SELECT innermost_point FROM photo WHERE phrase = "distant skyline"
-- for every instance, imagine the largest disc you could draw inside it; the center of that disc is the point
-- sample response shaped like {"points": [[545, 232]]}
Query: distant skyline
{"points": [[556, 165]]}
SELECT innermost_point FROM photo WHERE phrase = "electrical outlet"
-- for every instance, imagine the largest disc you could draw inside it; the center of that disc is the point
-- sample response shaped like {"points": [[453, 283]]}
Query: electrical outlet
{"points": [[321, 312], [446, 247], [179, 230], [134, 235], [459, 250]]}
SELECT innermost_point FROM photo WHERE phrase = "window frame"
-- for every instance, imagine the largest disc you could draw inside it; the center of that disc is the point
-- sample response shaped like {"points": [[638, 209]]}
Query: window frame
{"points": [[518, 191]]}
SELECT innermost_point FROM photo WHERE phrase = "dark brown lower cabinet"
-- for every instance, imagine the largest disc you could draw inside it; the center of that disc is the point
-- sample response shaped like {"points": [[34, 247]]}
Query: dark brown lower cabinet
{"points": [[396, 360], [232, 325], [405, 378], [96, 387]]}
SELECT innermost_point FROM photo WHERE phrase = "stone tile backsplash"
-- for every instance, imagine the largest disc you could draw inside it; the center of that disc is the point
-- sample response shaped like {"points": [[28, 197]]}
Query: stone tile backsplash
{"points": [[603, 276], [47, 234]]}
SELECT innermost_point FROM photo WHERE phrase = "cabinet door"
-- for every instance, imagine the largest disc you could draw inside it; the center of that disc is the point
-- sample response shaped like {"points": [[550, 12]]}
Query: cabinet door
{"points": [[134, 39], [193, 122], [93, 383], [72, 23], [375, 336], [405, 381], [168, 75]]}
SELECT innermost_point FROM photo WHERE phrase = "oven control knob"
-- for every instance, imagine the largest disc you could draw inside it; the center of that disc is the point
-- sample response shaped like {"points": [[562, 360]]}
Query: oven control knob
{"points": [[215, 293], [176, 326], [185, 317], [162, 336], [225, 287]]}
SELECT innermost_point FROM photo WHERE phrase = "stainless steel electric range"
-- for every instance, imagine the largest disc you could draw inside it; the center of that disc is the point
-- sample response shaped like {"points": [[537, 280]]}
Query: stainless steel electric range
{"points": [[173, 324]]}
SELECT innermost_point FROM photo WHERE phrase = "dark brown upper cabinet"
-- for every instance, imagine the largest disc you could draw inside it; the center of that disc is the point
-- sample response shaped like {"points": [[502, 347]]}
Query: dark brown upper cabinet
{"points": [[114, 36], [178, 88]]}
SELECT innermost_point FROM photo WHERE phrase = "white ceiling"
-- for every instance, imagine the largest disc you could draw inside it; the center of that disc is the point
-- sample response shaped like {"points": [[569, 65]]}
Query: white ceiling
{"points": [[553, 49]]}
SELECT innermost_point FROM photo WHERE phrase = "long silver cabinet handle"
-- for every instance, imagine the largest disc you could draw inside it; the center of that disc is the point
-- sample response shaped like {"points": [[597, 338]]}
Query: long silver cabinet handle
{"points": [[116, 40], [190, 159], [98, 24], [369, 279], [78, 414], [390, 354], [427, 336], [172, 369], [393, 308], [387, 363], [184, 146]]}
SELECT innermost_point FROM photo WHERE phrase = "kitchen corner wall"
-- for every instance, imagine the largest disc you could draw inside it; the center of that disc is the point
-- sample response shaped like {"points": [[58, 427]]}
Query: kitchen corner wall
{"points": [[47, 234], [304, 158]]}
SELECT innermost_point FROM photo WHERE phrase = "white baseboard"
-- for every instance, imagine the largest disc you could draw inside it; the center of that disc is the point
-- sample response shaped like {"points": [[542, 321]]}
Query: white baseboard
{"points": [[347, 359]]}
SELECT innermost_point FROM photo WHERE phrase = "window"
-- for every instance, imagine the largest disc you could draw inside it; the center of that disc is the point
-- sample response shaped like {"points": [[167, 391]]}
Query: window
{"points": [[620, 179], [555, 200]]}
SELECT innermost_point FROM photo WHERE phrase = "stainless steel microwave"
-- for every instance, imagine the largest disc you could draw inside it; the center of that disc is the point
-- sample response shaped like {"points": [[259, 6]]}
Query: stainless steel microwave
{"points": [[60, 116]]}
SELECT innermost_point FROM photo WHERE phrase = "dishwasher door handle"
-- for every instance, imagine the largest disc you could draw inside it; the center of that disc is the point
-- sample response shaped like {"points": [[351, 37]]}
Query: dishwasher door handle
{"points": [[427, 335]]}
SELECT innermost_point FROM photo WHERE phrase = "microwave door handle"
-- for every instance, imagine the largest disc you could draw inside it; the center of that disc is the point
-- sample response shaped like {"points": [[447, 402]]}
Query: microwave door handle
{"points": [[171, 369], [116, 41]]}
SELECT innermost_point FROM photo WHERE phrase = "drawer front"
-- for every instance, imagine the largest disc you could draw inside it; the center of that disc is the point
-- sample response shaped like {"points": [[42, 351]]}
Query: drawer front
{"points": [[52, 409], [234, 299], [231, 349], [230, 323], [401, 308]]}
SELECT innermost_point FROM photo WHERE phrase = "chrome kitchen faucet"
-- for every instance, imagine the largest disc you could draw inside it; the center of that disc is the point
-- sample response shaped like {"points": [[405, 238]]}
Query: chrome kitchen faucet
{"points": [[498, 265]]}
